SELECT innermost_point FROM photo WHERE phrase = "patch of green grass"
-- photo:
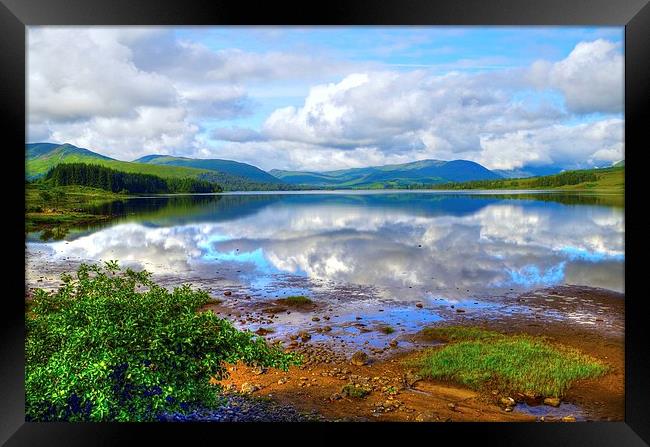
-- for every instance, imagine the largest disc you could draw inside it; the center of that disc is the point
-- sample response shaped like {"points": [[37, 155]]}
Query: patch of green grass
{"points": [[511, 363], [354, 391], [296, 300], [605, 179], [57, 208], [387, 330], [459, 333]]}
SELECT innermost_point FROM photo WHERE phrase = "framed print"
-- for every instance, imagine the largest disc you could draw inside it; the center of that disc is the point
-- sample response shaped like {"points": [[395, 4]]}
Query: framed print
{"points": [[409, 216]]}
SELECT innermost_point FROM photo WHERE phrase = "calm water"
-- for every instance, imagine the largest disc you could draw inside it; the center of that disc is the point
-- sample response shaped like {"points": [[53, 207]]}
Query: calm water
{"points": [[379, 246]]}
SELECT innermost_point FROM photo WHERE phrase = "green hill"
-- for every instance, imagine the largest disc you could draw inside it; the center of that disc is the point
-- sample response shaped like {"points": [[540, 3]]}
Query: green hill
{"points": [[226, 166], [399, 175], [41, 157], [600, 180]]}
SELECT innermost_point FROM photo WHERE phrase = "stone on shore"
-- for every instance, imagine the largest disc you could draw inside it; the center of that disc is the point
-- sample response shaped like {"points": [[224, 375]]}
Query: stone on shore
{"points": [[552, 401], [360, 358]]}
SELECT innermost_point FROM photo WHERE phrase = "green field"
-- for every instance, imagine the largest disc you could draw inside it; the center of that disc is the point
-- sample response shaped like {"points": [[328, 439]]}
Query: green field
{"points": [[40, 166], [482, 359], [610, 180], [54, 210]]}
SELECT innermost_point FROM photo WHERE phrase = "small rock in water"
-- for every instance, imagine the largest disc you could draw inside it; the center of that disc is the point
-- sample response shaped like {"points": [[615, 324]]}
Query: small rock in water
{"points": [[304, 335], [552, 401], [419, 305], [262, 331], [569, 418], [315, 319], [393, 343], [460, 310], [359, 358], [227, 293], [507, 401]]}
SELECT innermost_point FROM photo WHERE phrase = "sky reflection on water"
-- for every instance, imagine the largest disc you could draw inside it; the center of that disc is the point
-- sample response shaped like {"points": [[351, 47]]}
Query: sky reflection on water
{"points": [[398, 245]]}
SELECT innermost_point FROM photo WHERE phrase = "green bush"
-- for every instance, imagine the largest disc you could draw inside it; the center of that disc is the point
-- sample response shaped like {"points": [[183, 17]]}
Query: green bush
{"points": [[110, 345]]}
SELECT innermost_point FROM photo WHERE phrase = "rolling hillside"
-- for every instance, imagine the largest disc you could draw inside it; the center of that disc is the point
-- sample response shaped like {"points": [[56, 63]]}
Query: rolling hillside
{"points": [[424, 171], [226, 166], [41, 157], [611, 180]]}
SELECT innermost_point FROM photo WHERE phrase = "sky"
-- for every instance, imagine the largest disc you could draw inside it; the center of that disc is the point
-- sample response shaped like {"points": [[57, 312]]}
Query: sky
{"points": [[322, 98]]}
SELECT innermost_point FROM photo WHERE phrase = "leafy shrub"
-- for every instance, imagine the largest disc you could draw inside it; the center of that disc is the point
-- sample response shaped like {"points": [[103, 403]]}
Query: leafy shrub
{"points": [[111, 345]]}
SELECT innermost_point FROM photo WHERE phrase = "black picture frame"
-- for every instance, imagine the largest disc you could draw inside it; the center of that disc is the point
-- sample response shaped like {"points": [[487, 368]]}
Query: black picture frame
{"points": [[15, 15]]}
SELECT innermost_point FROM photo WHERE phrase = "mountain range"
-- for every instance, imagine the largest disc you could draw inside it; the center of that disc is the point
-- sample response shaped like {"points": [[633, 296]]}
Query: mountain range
{"points": [[233, 175], [423, 171]]}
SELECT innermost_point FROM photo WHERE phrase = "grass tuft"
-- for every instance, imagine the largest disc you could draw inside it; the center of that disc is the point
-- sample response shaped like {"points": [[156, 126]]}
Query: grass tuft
{"points": [[479, 358], [295, 300], [387, 330], [459, 333], [354, 391]]}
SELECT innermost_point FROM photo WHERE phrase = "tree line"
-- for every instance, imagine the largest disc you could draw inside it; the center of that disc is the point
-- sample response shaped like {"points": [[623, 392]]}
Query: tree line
{"points": [[101, 177], [563, 179]]}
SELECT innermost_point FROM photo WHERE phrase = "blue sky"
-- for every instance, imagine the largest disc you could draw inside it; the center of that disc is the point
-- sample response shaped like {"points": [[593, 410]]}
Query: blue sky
{"points": [[332, 97]]}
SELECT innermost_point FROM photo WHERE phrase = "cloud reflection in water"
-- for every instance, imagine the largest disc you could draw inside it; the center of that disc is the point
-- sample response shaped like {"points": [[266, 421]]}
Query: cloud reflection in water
{"points": [[482, 245]]}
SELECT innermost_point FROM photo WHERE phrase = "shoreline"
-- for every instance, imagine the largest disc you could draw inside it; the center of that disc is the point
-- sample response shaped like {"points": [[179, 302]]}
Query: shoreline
{"points": [[589, 319], [316, 386]]}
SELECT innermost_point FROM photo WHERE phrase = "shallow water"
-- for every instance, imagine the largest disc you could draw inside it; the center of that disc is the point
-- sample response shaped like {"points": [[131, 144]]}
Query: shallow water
{"points": [[363, 247]]}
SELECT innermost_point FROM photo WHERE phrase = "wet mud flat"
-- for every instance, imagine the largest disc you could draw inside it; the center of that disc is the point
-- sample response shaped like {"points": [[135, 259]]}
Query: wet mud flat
{"points": [[588, 319], [341, 322]]}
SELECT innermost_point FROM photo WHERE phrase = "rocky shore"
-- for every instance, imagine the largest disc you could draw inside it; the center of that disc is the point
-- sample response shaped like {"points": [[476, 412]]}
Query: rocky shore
{"points": [[347, 379], [356, 355]]}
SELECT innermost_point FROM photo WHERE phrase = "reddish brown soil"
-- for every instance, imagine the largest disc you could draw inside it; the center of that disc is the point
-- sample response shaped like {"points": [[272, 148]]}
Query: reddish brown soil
{"points": [[316, 386]]}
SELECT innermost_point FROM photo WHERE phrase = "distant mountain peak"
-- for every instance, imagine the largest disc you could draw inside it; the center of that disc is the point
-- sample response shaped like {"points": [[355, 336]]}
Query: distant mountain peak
{"points": [[427, 171]]}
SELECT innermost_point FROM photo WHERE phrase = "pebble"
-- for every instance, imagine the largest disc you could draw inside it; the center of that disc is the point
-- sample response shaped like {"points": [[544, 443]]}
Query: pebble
{"points": [[552, 401], [244, 409], [248, 388], [359, 358]]}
